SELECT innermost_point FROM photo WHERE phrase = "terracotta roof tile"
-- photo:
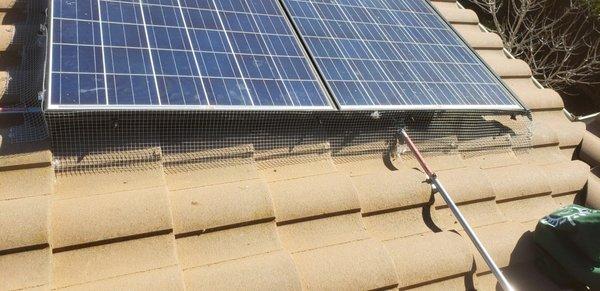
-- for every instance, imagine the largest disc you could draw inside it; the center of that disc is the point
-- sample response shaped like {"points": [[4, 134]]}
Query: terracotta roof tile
{"points": [[478, 39], [593, 189], [166, 278]]}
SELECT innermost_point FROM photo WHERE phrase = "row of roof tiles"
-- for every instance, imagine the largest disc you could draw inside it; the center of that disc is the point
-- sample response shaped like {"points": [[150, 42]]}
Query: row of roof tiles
{"points": [[313, 223]]}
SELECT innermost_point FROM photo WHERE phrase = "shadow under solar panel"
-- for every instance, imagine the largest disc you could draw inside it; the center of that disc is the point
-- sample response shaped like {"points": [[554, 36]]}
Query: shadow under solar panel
{"points": [[387, 54], [179, 54]]}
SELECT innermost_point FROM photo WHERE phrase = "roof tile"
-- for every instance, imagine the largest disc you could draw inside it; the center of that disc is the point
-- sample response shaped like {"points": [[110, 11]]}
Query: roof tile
{"points": [[479, 39], [25, 270], [428, 257], [384, 190], [569, 133], [508, 243], [111, 260], [109, 216], [518, 181], [503, 66], [24, 222], [528, 210], [400, 223], [166, 278], [322, 232], [567, 177], [593, 189], [13, 184], [229, 244], [313, 196], [453, 14], [359, 265], [270, 271], [197, 209], [534, 97]]}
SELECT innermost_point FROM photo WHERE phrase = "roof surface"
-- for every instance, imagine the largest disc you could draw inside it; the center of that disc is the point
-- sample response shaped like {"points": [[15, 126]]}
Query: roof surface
{"points": [[319, 224]]}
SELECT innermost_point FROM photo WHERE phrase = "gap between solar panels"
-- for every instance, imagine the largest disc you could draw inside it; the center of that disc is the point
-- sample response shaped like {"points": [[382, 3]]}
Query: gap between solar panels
{"points": [[179, 81]]}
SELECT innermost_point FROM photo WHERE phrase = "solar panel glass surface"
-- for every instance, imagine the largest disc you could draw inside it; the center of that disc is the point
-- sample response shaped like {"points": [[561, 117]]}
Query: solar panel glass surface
{"points": [[160, 54], [394, 54]]}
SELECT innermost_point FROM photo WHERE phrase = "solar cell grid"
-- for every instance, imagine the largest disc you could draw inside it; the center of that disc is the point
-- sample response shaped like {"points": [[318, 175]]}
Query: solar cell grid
{"points": [[191, 53], [394, 54]]}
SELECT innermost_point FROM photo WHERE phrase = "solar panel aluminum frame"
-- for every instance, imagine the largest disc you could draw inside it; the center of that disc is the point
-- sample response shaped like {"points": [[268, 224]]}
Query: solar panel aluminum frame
{"points": [[521, 108], [48, 106]]}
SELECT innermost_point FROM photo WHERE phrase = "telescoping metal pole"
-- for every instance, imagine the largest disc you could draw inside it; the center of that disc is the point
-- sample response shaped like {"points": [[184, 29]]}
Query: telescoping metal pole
{"points": [[433, 178]]}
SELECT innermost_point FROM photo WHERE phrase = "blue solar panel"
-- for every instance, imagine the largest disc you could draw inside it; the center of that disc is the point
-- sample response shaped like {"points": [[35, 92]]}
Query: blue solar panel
{"points": [[230, 54], [394, 54]]}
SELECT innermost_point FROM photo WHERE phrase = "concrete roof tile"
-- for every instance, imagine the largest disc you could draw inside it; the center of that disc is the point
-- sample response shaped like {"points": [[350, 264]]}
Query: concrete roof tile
{"points": [[401, 223], [542, 155], [322, 232], [25, 160], [453, 14], [298, 169], [211, 176], [25, 270], [522, 277], [197, 209], [381, 191], [503, 66], [528, 210], [467, 184], [112, 260], [7, 4], [518, 181], [313, 196], [24, 222], [82, 185], [270, 271], [565, 199], [543, 134], [534, 97], [508, 243], [569, 133], [225, 245], [590, 148], [593, 189], [567, 177], [492, 159], [428, 257], [480, 213], [357, 265], [109, 216], [16, 184], [167, 278], [477, 38]]}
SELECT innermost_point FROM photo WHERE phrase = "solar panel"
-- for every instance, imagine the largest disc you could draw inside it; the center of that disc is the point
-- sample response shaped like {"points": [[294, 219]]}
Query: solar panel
{"points": [[393, 54], [164, 54]]}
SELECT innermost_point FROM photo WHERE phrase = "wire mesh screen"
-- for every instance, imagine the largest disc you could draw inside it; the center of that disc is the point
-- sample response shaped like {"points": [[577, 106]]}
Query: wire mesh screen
{"points": [[24, 80], [91, 141]]}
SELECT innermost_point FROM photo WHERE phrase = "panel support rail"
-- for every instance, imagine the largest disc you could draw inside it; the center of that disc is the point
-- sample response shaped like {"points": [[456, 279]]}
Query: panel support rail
{"points": [[463, 222]]}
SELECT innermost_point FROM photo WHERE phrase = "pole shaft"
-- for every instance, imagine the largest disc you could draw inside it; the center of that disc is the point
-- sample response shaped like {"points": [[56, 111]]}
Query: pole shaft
{"points": [[461, 219]]}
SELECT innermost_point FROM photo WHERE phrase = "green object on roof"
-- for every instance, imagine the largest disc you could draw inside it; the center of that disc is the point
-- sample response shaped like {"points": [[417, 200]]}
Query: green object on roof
{"points": [[568, 243]]}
